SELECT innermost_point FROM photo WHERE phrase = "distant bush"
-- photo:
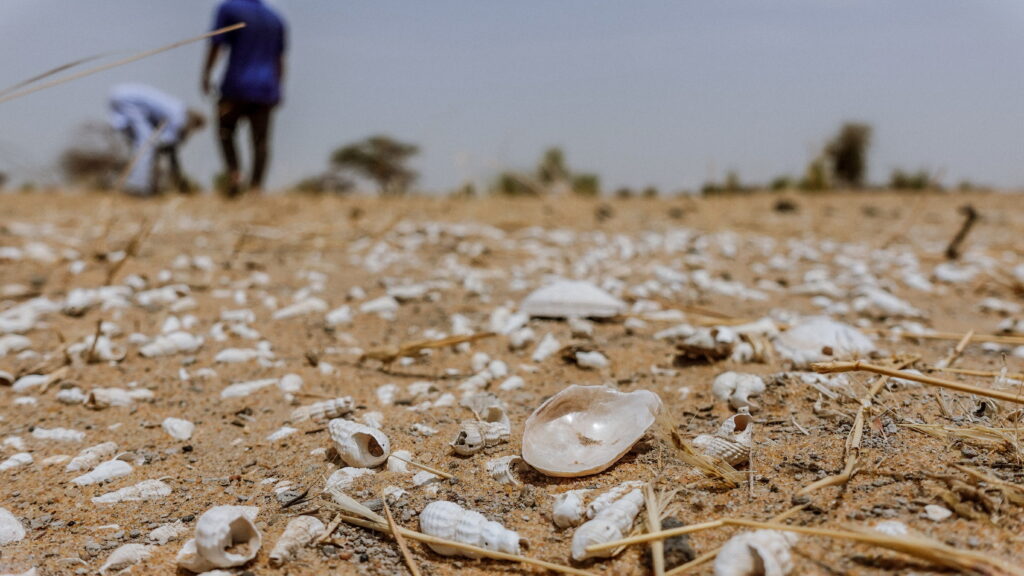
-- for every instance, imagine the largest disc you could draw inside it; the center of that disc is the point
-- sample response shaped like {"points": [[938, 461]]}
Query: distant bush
{"points": [[96, 158], [781, 183], [326, 183], [515, 184], [731, 185], [650, 192], [920, 180], [586, 185], [816, 176], [848, 153], [380, 159]]}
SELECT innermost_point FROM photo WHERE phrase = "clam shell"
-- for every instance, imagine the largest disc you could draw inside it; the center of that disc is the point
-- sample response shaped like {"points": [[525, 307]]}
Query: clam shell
{"points": [[226, 536], [452, 522], [359, 445], [585, 429], [759, 553], [567, 298]]}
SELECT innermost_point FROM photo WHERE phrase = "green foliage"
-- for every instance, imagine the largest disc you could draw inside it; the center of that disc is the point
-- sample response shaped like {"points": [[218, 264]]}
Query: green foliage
{"points": [[731, 185], [650, 192], [848, 154], [816, 177], [514, 184], [624, 193], [552, 167], [381, 159], [588, 185], [920, 180], [781, 183]]}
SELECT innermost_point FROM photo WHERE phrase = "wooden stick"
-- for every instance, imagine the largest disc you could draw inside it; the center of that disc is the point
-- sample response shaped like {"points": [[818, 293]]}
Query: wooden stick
{"points": [[121, 62], [419, 536], [137, 155], [988, 373], [409, 561], [651, 536], [977, 338], [833, 367], [433, 471]]}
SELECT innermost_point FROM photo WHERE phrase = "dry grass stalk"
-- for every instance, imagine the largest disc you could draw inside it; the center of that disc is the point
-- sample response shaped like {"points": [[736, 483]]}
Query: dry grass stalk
{"points": [[709, 556], [834, 367], [90, 357], [976, 338], [656, 506], [987, 373], [331, 527], [917, 546], [355, 513], [433, 471], [399, 539], [986, 436], [1014, 493], [12, 95], [712, 467], [389, 355], [129, 252]]}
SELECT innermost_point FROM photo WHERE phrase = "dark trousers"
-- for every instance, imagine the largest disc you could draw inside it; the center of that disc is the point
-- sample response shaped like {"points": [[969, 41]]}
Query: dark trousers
{"points": [[258, 116]]}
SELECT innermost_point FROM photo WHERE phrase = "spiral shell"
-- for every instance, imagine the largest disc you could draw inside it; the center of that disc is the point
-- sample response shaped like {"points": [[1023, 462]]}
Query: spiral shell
{"points": [[226, 536], [475, 435], [452, 522], [300, 532], [568, 508], [610, 524], [503, 469], [359, 445], [324, 411], [759, 553], [732, 442]]}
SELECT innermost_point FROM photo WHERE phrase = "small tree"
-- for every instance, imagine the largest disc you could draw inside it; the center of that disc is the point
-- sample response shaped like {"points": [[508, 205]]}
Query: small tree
{"points": [[552, 167], [848, 153], [380, 159]]}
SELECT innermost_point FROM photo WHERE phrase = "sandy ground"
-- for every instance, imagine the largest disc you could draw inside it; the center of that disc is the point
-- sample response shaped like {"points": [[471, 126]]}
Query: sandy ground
{"points": [[477, 255]]}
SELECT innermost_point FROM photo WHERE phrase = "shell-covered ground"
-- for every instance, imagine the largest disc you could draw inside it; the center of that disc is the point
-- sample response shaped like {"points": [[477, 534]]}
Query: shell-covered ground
{"points": [[72, 266]]}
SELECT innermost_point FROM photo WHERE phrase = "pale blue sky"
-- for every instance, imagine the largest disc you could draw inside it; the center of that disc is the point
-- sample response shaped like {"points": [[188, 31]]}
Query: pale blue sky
{"points": [[662, 92]]}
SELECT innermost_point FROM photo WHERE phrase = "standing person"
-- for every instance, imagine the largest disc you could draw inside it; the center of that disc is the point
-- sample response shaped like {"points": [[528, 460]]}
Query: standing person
{"points": [[251, 86], [156, 124]]}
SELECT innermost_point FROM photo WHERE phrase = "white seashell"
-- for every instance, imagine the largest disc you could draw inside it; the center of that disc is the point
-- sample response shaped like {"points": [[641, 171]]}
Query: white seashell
{"points": [[521, 338], [300, 532], [452, 522], [282, 432], [732, 442], [396, 462], [170, 344], [373, 419], [805, 343], [386, 394], [547, 346], [609, 497], [585, 429], [892, 528], [104, 472], [124, 557], [168, 532], [13, 442], [301, 308], [227, 536], [11, 529], [475, 435], [504, 469], [324, 411], [393, 493], [243, 389], [610, 524], [100, 398], [566, 298], [737, 388], [339, 316], [568, 508], [759, 553], [145, 490], [13, 343], [512, 383], [357, 444], [105, 350], [178, 429], [423, 478], [19, 459], [594, 360], [343, 478], [6, 378], [581, 328], [87, 459], [385, 307], [421, 429], [30, 381], [240, 355], [58, 434], [72, 396], [290, 383]]}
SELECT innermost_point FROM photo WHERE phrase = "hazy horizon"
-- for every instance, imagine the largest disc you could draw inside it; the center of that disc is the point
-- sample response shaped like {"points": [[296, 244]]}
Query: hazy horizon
{"points": [[660, 93]]}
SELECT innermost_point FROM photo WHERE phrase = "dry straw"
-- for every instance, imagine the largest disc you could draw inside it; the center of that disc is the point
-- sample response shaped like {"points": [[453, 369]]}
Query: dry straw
{"points": [[833, 367]]}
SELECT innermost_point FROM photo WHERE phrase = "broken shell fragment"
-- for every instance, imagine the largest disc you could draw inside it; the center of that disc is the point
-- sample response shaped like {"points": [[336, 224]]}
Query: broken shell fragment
{"points": [[585, 429], [504, 469], [145, 490], [125, 556], [452, 522], [11, 529], [300, 532], [358, 444], [737, 388], [325, 410], [610, 524], [568, 509], [568, 298], [820, 338], [732, 442], [759, 553], [491, 429], [104, 472], [90, 457], [226, 536], [178, 429]]}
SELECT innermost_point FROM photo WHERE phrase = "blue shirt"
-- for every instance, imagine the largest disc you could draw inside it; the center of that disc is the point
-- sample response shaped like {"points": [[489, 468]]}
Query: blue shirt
{"points": [[252, 74], [143, 108]]}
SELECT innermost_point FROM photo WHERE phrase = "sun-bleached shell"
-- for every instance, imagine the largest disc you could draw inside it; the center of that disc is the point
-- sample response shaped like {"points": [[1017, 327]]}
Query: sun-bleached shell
{"points": [[178, 428], [301, 308], [758, 553], [568, 298], [100, 398], [585, 429], [90, 457], [357, 444], [569, 509], [343, 478], [58, 434], [243, 389], [299, 532], [807, 342], [324, 410], [168, 532], [504, 470], [737, 388], [125, 556], [732, 442], [452, 522], [612, 523], [16, 460], [145, 490], [105, 472], [11, 529], [169, 344], [227, 536], [491, 429]]}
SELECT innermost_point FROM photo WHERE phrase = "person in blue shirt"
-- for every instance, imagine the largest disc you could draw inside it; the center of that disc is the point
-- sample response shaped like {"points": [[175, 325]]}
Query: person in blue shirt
{"points": [[251, 85], [156, 124]]}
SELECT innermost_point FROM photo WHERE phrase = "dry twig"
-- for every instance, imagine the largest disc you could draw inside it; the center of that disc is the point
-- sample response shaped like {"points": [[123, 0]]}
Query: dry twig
{"points": [[834, 367]]}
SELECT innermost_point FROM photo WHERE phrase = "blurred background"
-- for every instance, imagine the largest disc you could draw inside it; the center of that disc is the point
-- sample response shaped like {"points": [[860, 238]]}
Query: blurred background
{"points": [[652, 95]]}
